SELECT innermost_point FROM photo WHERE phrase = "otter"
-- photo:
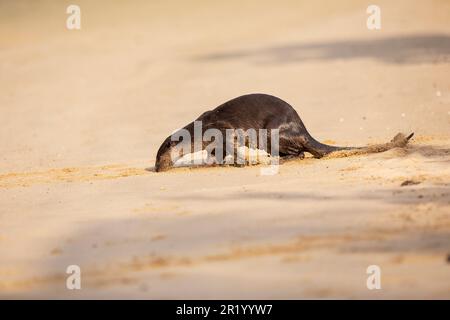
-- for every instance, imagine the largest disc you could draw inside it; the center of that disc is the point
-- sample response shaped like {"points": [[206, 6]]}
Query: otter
{"points": [[263, 111]]}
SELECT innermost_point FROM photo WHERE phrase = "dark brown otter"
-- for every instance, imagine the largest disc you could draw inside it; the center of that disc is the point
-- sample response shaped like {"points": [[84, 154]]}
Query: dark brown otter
{"points": [[262, 111]]}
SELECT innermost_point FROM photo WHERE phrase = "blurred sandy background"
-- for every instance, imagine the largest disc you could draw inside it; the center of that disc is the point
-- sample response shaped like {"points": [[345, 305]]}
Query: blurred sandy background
{"points": [[83, 113]]}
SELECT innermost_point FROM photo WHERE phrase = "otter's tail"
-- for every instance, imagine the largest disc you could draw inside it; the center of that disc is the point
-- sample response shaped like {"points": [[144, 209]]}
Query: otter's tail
{"points": [[320, 150]]}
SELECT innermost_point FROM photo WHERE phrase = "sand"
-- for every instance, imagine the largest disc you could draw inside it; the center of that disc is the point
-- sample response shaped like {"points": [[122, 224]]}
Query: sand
{"points": [[83, 113]]}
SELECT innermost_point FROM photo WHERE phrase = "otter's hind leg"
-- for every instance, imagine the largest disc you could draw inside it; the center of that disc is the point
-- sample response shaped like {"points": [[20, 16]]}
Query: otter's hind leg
{"points": [[288, 145], [289, 148]]}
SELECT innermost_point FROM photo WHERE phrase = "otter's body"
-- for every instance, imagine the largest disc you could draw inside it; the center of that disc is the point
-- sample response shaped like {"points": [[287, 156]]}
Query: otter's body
{"points": [[256, 111]]}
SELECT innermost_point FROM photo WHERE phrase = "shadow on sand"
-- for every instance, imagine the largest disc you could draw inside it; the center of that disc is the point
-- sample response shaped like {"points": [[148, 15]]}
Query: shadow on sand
{"points": [[412, 49]]}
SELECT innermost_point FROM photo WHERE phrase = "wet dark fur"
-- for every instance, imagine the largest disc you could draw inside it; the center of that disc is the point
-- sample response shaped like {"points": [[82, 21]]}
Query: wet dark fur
{"points": [[257, 111]]}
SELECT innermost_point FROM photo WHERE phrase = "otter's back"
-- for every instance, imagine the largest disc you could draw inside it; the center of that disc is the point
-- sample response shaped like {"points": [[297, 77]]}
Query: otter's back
{"points": [[252, 111]]}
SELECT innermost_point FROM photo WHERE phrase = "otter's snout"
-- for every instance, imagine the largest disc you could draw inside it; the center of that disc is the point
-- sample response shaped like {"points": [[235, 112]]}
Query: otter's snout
{"points": [[163, 163], [163, 158]]}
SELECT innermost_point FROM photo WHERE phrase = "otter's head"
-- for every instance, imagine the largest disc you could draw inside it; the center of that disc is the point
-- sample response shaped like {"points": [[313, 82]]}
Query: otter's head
{"points": [[169, 152], [164, 156]]}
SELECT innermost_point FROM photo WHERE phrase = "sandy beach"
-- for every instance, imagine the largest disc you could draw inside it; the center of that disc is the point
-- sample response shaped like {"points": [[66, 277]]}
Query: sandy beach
{"points": [[83, 113]]}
